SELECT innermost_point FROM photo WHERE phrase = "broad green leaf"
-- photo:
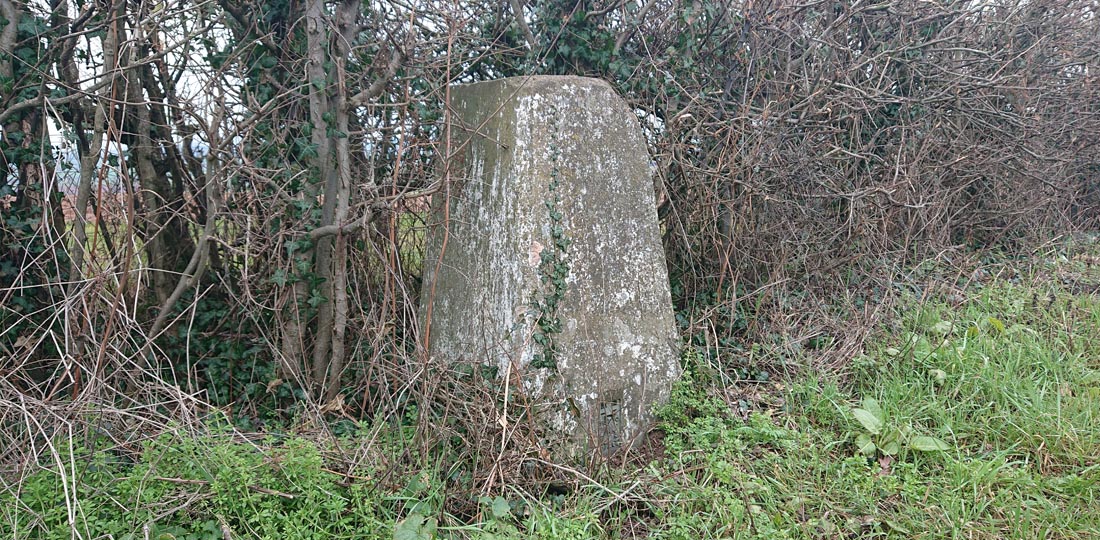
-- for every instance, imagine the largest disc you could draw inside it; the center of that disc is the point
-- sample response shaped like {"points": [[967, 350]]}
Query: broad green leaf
{"points": [[430, 529], [864, 444], [890, 442], [890, 448], [872, 406], [410, 528], [869, 421], [943, 328], [501, 509], [938, 375], [928, 444]]}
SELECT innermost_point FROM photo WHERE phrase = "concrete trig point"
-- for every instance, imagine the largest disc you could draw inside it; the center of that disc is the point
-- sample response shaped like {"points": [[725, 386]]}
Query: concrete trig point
{"points": [[553, 269]]}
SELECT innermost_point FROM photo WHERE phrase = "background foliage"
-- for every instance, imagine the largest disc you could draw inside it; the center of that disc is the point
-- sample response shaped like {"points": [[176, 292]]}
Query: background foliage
{"points": [[217, 207]]}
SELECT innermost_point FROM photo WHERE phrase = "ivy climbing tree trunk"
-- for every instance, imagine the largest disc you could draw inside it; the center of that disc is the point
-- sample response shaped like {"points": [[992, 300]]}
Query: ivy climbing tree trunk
{"points": [[322, 117], [347, 26], [32, 225], [329, 44]]}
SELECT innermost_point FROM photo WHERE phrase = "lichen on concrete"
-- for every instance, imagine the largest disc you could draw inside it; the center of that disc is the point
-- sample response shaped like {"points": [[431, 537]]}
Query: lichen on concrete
{"points": [[555, 169]]}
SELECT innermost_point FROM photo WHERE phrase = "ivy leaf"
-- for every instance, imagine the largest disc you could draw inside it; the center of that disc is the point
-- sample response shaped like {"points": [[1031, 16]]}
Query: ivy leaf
{"points": [[279, 277], [31, 25]]}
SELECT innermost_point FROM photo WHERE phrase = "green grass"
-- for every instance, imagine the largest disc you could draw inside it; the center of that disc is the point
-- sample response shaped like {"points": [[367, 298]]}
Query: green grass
{"points": [[1008, 382]]}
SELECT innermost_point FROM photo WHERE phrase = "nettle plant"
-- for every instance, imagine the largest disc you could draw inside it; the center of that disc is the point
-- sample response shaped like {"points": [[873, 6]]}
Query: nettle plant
{"points": [[879, 437]]}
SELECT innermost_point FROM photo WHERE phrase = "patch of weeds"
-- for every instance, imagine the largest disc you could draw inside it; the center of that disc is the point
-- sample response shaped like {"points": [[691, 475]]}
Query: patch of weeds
{"points": [[1001, 375], [1003, 381], [195, 489], [879, 437], [977, 417]]}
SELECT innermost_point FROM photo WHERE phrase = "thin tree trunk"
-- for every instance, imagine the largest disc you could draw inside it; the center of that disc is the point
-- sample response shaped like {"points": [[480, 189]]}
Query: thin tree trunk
{"points": [[346, 16], [8, 35], [170, 170], [320, 113], [89, 151], [154, 189]]}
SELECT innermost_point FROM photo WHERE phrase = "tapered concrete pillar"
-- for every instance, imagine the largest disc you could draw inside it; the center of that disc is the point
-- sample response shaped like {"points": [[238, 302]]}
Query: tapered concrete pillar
{"points": [[546, 259]]}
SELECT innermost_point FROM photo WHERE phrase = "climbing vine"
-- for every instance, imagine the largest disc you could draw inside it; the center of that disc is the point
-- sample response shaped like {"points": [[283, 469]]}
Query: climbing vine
{"points": [[553, 270]]}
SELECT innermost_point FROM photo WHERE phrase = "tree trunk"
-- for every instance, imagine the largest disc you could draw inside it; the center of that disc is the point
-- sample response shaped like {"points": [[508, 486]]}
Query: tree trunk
{"points": [[321, 116]]}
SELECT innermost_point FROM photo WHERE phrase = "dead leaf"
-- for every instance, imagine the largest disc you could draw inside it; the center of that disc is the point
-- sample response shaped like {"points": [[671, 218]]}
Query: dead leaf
{"points": [[334, 406]]}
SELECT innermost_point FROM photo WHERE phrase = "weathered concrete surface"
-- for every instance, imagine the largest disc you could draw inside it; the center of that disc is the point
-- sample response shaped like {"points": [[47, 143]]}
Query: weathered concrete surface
{"points": [[555, 183]]}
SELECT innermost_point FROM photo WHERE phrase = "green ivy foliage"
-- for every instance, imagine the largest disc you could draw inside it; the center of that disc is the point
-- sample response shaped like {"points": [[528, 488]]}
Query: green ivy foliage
{"points": [[32, 264]]}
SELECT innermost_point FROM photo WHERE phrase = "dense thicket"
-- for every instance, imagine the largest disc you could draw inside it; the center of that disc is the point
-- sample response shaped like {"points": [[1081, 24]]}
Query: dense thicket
{"points": [[224, 201]]}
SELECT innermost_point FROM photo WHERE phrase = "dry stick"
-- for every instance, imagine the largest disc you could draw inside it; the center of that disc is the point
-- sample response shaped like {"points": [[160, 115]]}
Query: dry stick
{"points": [[114, 135], [89, 156], [195, 267], [376, 88], [446, 185], [340, 260], [320, 106], [8, 38], [632, 28]]}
